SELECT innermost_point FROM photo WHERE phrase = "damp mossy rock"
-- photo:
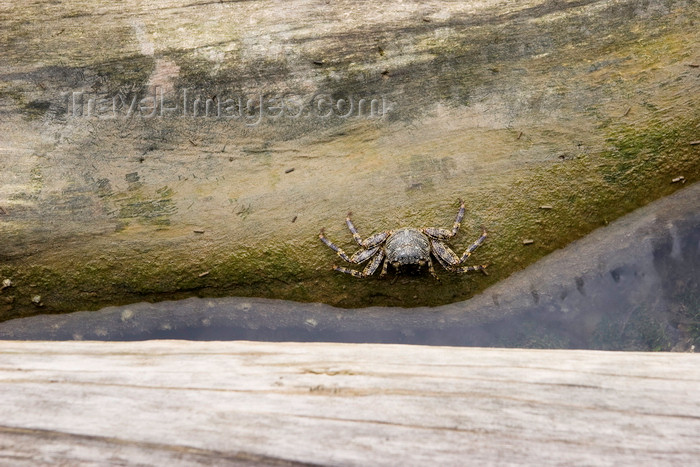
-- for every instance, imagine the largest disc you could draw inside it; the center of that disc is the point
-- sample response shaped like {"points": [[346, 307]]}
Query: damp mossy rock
{"points": [[177, 148]]}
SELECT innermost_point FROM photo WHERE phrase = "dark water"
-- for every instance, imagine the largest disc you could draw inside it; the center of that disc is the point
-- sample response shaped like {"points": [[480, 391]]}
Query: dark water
{"points": [[633, 285]]}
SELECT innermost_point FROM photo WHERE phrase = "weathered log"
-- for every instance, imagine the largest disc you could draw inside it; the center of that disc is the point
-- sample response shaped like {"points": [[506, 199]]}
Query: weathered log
{"points": [[226, 403], [106, 196]]}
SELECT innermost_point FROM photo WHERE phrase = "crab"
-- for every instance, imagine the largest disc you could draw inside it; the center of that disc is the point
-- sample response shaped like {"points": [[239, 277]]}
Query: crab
{"points": [[407, 248]]}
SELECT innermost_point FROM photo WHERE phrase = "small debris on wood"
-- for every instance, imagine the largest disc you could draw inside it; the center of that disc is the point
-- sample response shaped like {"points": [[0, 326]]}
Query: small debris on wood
{"points": [[678, 179], [627, 111], [205, 273], [426, 20], [36, 300], [695, 143], [2, 211], [6, 283], [192, 142], [319, 62], [294, 219], [198, 231], [385, 73], [693, 65], [520, 135], [528, 241], [289, 170], [545, 206]]}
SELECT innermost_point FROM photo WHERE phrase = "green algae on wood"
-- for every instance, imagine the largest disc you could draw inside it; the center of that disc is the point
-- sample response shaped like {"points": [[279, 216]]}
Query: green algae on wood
{"points": [[585, 106]]}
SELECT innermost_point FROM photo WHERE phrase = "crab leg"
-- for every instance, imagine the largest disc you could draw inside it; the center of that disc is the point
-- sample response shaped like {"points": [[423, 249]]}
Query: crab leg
{"points": [[441, 261], [373, 240], [358, 258], [385, 267], [481, 267], [376, 239], [432, 270], [444, 234], [444, 254], [367, 271], [353, 230], [330, 245], [363, 255], [473, 246], [449, 260]]}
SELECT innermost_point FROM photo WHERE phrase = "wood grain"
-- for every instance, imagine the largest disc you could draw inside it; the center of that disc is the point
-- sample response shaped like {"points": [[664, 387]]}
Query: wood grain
{"points": [[240, 403]]}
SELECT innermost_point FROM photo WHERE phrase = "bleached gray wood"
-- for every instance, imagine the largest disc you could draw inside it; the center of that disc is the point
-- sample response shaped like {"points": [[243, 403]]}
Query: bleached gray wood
{"points": [[244, 403]]}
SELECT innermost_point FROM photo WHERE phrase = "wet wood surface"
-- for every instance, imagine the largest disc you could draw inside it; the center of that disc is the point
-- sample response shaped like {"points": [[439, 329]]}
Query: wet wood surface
{"points": [[243, 403]]}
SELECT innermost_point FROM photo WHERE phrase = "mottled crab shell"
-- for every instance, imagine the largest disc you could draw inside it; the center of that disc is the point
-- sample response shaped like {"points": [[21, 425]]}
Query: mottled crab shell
{"points": [[407, 246]]}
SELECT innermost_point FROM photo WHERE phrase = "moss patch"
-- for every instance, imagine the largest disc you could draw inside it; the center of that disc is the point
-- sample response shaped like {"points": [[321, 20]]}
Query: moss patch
{"points": [[583, 192]]}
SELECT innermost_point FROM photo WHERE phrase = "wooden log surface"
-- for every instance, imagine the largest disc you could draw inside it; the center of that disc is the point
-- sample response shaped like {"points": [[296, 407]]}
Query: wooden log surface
{"points": [[586, 106], [243, 403]]}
